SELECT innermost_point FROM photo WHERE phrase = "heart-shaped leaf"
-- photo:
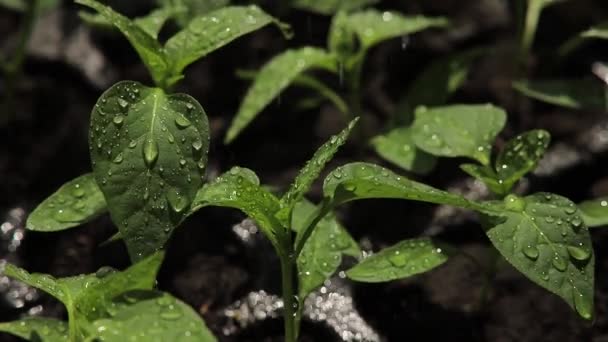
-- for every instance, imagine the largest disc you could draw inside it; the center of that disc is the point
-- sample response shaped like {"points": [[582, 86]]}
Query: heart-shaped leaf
{"points": [[149, 152], [37, 329], [150, 316], [322, 253], [594, 212], [357, 181], [273, 78], [76, 202], [458, 130], [405, 259], [544, 237], [576, 94], [373, 26], [397, 147]]}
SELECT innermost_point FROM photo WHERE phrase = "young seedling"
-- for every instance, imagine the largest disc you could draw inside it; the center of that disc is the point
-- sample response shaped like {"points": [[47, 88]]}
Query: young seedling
{"points": [[350, 38], [109, 305]]}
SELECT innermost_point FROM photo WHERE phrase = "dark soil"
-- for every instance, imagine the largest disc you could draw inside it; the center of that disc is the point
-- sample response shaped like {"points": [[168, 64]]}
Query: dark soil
{"points": [[43, 143]]}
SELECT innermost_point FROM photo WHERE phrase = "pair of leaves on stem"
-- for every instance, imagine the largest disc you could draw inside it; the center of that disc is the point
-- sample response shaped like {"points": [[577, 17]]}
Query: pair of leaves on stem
{"points": [[201, 36], [370, 26], [109, 306]]}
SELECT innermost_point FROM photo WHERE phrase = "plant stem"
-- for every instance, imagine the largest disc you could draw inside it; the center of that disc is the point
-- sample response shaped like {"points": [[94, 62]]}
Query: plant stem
{"points": [[535, 7], [489, 275], [290, 302]]}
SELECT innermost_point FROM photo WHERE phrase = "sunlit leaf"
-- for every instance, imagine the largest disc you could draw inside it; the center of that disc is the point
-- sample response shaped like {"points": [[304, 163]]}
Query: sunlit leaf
{"points": [[397, 147], [458, 130], [373, 26], [322, 252], [149, 152], [37, 329], [594, 212], [544, 237], [76, 202], [148, 48], [272, 79], [577, 94], [405, 259]]}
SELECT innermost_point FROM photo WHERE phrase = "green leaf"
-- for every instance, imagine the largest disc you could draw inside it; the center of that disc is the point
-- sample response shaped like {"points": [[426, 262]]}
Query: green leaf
{"points": [[310, 172], [599, 31], [37, 329], [322, 252], [341, 37], [397, 147], [211, 31], [544, 237], [329, 7], [405, 259], [149, 152], [150, 316], [193, 8], [151, 23], [362, 180], [486, 174], [273, 78], [436, 83], [594, 212], [148, 48], [373, 26], [576, 94], [76, 202], [458, 130], [520, 156], [235, 189]]}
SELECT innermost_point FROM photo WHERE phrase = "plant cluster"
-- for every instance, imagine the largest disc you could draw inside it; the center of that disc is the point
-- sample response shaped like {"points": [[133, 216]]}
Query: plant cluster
{"points": [[149, 152]]}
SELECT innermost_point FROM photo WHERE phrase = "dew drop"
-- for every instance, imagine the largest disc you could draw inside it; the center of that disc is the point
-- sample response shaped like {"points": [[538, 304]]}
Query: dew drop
{"points": [[118, 159], [559, 263], [197, 145], [578, 253], [177, 202], [531, 252], [118, 120], [181, 121], [397, 259], [122, 103], [582, 305], [150, 151]]}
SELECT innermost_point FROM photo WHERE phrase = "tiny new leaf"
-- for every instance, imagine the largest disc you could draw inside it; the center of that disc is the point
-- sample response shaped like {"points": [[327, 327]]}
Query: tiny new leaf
{"points": [[405, 259], [458, 130], [310, 172], [486, 174], [372, 26], [150, 316], [362, 180], [323, 250], [76, 202], [273, 78], [37, 329], [576, 94], [397, 147], [594, 212], [544, 237], [239, 188], [149, 152]]}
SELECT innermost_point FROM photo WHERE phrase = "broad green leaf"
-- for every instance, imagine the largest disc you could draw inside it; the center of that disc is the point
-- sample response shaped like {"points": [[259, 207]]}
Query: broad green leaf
{"points": [[150, 316], [273, 78], [235, 189], [599, 31], [328, 7], [149, 152], [310, 172], [373, 26], [37, 329], [397, 147], [76, 202], [458, 130], [405, 259], [194, 8], [148, 48], [486, 174], [544, 237], [520, 156], [341, 37], [211, 31], [436, 83], [577, 94], [362, 180], [151, 23], [594, 212], [322, 252]]}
